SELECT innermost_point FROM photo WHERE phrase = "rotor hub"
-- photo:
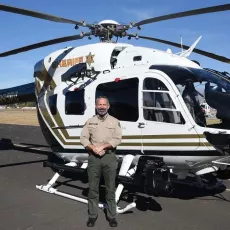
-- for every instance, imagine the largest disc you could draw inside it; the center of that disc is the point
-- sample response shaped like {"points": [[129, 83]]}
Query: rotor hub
{"points": [[107, 29], [110, 23]]}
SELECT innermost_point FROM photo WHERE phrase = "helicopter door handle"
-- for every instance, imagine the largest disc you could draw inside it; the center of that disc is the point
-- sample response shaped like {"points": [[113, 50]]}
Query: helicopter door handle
{"points": [[141, 125]]}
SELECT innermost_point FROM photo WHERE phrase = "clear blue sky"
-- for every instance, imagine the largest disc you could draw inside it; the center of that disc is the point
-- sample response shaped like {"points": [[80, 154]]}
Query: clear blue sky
{"points": [[18, 30]]}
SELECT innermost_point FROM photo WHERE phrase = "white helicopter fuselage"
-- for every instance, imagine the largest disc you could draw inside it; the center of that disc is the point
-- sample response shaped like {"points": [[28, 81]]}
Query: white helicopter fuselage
{"points": [[181, 142]]}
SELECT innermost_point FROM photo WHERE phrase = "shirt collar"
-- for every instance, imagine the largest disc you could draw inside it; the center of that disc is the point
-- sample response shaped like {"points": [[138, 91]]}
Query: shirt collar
{"points": [[102, 118]]}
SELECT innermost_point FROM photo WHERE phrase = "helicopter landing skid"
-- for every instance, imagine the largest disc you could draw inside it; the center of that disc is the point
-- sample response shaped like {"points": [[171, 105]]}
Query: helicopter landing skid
{"points": [[124, 171]]}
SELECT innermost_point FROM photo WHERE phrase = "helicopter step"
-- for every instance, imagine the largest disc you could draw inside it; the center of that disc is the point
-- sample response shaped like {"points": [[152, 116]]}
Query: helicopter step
{"points": [[124, 170]]}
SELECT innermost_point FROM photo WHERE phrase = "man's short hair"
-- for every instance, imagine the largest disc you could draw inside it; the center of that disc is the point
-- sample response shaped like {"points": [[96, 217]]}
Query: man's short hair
{"points": [[102, 97]]}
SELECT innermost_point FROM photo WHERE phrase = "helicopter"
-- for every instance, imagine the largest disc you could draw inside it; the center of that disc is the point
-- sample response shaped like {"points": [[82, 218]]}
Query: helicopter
{"points": [[151, 92]]}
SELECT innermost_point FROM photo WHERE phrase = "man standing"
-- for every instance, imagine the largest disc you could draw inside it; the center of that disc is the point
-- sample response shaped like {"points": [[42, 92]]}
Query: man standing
{"points": [[101, 135]]}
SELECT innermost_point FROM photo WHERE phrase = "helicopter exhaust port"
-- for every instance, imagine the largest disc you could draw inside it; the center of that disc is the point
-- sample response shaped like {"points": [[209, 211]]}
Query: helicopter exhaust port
{"points": [[151, 175]]}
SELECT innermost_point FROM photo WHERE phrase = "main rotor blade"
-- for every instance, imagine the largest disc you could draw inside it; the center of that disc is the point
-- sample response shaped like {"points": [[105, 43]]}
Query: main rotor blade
{"points": [[185, 14], [45, 43], [40, 15], [204, 53]]}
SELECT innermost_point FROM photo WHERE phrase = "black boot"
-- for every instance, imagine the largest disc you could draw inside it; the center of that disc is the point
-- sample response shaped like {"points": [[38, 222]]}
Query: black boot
{"points": [[91, 222], [113, 222]]}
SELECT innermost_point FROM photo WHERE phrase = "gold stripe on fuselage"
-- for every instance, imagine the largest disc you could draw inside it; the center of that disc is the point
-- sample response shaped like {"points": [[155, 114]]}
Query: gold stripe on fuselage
{"points": [[60, 123], [58, 120]]}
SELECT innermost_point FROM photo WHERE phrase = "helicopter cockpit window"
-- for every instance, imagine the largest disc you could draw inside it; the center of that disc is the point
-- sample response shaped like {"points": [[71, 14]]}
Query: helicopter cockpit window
{"points": [[206, 94], [53, 104], [74, 102], [154, 84], [123, 98], [157, 103]]}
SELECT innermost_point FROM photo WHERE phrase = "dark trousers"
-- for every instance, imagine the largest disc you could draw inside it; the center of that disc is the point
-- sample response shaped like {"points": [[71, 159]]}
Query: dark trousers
{"points": [[106, 166]]}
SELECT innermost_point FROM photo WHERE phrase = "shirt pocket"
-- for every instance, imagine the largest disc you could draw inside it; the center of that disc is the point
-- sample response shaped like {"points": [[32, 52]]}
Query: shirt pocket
{"points": [[92, 128], [110, 128]]}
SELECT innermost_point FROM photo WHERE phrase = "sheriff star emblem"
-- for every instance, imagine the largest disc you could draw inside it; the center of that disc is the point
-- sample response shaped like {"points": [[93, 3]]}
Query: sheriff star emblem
{"points": [[89, 59]]}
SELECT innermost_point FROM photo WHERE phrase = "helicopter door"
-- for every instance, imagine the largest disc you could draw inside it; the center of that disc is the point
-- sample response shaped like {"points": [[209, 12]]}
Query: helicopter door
{"points": [[124, 100], [164, 124]]}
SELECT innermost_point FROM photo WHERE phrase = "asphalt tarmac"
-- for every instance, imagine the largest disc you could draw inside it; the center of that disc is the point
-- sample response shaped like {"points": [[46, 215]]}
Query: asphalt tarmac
{"points": [[23, 207]]}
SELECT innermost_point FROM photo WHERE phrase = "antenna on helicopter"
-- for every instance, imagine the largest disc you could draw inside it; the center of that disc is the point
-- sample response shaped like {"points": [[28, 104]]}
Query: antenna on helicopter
{"points": [[189, 51]]}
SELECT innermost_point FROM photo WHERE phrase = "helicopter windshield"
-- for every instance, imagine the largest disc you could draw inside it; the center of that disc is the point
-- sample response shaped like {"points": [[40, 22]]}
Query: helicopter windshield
{"points": [[206, 93]]}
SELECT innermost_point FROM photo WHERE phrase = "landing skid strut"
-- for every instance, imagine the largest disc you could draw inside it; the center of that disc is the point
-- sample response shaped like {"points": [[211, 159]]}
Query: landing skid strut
{"points": [[124, 171]]}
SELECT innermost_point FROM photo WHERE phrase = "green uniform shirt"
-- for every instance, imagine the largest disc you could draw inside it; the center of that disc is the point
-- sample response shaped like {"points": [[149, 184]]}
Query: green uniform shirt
{"points": [[98, 131]]}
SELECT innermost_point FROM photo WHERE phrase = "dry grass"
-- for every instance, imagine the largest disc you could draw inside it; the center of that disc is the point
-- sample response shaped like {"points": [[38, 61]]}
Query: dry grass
{"points": [[19, 117], [29, 117]]}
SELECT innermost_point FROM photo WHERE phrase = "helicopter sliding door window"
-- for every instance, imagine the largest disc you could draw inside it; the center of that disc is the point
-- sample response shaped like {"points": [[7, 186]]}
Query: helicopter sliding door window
{"points": [[53, 104], [157, 103], [74, 102], [123, 98]]}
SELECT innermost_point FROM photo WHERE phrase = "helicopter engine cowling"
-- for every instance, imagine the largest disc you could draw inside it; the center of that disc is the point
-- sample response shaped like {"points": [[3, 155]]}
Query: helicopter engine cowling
{"points": [[18, 94]]}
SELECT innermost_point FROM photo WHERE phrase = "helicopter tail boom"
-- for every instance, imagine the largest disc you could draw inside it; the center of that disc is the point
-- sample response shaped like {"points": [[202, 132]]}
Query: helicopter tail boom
{"points": [[18, 94]]}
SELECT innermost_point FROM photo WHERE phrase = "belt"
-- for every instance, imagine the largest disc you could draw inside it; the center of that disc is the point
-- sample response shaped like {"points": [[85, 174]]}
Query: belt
{"points": [[107, 151]]}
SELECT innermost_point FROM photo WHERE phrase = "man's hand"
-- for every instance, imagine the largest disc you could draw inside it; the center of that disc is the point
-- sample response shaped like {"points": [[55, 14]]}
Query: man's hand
{"points": [[101, 153], [99, 150]]}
